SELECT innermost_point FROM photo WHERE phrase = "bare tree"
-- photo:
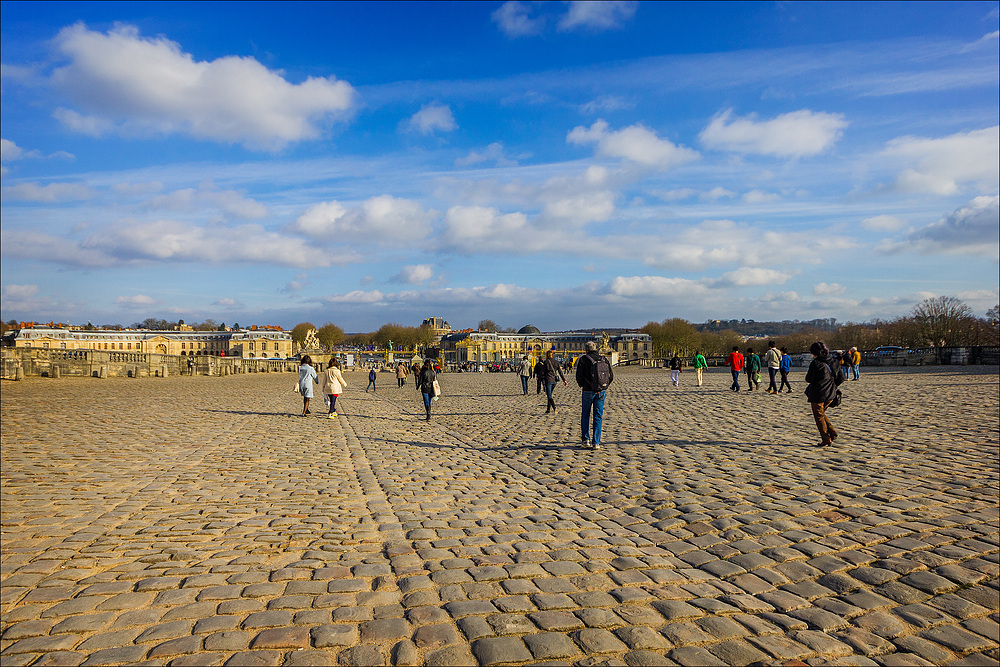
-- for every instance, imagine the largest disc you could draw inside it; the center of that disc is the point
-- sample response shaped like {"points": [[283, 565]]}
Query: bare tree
{"points": [[487, 325], [943, 320]]}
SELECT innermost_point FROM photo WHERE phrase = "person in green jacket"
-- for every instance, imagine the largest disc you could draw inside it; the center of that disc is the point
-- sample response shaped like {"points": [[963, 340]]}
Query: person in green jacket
{"points": [[752, 369], [699, 363]]}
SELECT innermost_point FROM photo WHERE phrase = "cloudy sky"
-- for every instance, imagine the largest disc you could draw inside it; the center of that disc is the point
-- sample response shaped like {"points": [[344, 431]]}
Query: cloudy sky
{"points": [[561, 164]]}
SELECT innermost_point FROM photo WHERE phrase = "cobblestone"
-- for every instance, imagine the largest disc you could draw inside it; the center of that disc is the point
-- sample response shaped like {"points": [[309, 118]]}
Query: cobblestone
{"points": [[199, 521]]}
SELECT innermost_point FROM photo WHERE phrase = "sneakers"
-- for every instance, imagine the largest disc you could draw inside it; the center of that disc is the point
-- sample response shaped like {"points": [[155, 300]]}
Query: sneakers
{"points": [[595, 445], [585, 443], [332, 415]]}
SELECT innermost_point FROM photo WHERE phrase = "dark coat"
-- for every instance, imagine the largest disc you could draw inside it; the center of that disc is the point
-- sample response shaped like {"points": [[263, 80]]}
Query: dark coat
{"points": [[551, 372], [585, 371], [823, 376], [427, 377]]}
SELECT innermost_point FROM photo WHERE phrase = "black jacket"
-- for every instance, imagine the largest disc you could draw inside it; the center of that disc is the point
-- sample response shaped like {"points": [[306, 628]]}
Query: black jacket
{"points": [[823, 376], [427, 377], [585, 371]]}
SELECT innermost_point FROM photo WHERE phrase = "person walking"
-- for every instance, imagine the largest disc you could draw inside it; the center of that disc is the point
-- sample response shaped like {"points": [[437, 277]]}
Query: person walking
{"points": [[735, 363], [307, 378], [675, 370], [333, 384], [371, 380], [824, 376], [785, 368], [594, 375], [773, 361], [427, 379], [752, 369], [552, 374], [539, 371], [524, 372], [415, 368], [699, 363], [855, 359], [400, 375]]}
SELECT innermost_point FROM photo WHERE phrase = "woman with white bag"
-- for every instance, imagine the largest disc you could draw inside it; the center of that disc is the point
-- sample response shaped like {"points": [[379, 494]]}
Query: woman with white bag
{"points": [[333, 384], [428, 385]]}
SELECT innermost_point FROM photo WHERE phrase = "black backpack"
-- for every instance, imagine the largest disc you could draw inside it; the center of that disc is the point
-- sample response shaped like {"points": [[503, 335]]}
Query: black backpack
{"points": [[600, 372]]}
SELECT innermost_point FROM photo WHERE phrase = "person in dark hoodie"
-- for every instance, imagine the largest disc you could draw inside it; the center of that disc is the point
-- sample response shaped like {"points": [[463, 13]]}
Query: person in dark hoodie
{"points": [[427, 377], [594, 375], [823, 376]]}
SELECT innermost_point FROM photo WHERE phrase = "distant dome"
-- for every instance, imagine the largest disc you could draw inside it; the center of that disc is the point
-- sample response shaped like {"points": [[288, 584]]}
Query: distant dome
{"points": [[528, 329]]}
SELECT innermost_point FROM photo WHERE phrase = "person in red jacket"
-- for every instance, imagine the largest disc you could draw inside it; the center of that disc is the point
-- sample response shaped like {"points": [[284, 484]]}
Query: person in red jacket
{"points": [[735, 363]]}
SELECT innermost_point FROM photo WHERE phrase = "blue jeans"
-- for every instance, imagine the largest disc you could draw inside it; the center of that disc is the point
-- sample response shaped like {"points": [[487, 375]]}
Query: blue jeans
{"points": [[550, 404], [427, 401], [524, 383], [736, 381], [593, 401], [856, 369], [772, 372]]}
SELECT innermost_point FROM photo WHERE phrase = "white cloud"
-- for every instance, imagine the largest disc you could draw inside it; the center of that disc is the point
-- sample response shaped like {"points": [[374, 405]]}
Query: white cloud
{"points": [[383, 220], [597, 15], [942, 166], [794, 134], [19, 292], [207, 195], [355, 297], [605, 103], [9, 150], [677, 194], [136, 84], [747, 276], [883, 223], [760, 196], [973, 229], [514, 20], [715, 193], [53, 192], [484, 229], [654, 286], [135, 301], [228, 304], [636, 143], [492, 153], [828, 289], [415, 274], [433, 118]]}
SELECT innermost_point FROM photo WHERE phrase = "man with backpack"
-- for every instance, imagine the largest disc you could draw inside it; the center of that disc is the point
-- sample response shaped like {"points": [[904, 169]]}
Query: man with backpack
{"points": [[594, 375]]}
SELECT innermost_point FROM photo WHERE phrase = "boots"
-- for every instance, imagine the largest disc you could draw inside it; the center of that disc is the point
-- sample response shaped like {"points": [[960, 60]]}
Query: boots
{"points": [[428, 414]]}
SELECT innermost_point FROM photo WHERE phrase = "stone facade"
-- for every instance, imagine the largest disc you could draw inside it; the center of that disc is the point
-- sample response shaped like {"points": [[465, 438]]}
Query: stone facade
{"points": [[489, 347], [244, 343]]}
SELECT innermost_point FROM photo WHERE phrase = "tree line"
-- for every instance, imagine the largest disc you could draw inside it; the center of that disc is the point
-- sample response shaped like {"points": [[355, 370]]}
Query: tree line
{"points": [[395, 334], [943, 321]]}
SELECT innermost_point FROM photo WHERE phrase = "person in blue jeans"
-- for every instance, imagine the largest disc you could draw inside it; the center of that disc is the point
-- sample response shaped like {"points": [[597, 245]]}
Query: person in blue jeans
{"points": [[594, 395], [371, 380]]}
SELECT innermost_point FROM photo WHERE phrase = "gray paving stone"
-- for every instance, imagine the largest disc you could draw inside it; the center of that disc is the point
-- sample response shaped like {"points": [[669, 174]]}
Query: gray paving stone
{"points": [[695, 656], [500, 650]]}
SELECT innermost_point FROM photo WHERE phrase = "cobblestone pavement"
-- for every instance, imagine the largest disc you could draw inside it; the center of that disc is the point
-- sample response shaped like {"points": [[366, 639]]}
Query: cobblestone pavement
{"points": [[198, 521]]}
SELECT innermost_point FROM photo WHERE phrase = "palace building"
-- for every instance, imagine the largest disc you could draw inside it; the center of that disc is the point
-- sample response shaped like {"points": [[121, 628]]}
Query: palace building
{"points": [[267, 343], [490, 347]]}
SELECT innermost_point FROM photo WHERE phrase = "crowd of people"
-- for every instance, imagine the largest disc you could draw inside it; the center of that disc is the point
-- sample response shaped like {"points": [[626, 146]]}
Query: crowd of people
{"points": [[594, 375]]}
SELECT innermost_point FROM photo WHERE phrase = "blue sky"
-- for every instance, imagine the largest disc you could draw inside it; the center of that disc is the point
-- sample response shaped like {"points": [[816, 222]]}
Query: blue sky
{"points": [[562, 164]]}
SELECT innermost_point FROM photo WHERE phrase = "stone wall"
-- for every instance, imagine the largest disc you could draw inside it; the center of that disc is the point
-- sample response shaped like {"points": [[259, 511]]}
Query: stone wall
{"points": [[24, 362]]}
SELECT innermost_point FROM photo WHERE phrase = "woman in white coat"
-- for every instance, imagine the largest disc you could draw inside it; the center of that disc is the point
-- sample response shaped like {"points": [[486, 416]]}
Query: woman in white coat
{"points": [[333, 385]]}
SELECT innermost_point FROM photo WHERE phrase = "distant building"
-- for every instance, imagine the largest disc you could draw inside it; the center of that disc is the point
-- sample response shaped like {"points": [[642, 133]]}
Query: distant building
{"points": [[438, 326], [490, 347], [266, 343]]}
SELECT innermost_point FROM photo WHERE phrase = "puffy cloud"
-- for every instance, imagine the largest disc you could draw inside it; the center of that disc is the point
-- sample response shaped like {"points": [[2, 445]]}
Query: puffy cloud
{"points": [[480, 228], [53, 192], [9, 150], [355, 297], [415, 274], [135, 301], [605, 103], [19, 292], [942, 166], [717, 192], [492, 153], [828, 289], [794, 134], [883, 223], [597, 15], [759, 197], [748, 276], [195, 199], [654, 286], [636, 143], [973, 229], [383, 219], [136, 84], [514, 20], [433, 118]]}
